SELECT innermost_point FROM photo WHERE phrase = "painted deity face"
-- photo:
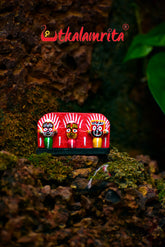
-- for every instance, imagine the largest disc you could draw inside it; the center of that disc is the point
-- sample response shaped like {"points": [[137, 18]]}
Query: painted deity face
{"points": [[71, 130], [97, 127], [47, 129]]}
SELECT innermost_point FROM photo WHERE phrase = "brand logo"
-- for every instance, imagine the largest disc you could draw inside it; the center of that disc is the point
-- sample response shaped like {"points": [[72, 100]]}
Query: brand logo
{"points": [[82, 36]]}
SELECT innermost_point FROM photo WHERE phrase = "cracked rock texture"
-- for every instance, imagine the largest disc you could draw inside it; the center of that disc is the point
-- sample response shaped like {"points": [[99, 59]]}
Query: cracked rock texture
{"points": [[44, 201], [26, 61]]}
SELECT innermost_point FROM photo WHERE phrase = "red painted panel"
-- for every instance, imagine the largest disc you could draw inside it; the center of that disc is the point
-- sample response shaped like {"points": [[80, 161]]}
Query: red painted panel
{"points": [[73, 130]]}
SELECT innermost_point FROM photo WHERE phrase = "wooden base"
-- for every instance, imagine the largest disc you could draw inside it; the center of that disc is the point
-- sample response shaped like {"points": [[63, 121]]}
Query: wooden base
{"points": [[75, 151]]}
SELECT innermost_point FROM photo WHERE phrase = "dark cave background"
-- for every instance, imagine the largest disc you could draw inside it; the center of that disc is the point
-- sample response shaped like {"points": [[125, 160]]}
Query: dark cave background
{"points": [[137, 122], [39, 77]]}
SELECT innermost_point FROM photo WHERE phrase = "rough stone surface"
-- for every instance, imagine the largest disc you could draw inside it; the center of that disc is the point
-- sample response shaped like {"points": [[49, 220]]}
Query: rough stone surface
{"points": [[84, 172], [26, 61], [38, 208]]}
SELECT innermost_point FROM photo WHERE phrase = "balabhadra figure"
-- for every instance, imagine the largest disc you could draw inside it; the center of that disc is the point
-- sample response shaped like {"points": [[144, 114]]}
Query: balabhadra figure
{"points": [[48, 131], [47, 127]]}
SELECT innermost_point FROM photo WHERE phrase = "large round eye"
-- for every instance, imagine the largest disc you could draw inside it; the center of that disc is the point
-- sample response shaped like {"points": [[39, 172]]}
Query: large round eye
{"points": [[45, 129], [50, 129], [100, 128], [74, 130], [94, 127], [68, 130]]}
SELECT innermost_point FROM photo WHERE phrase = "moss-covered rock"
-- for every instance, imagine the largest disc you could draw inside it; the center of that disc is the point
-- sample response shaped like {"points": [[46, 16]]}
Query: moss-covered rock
{"points": [[7, 160], [53, 168], [39, 206], [161, 190], [125, 172], [18, 127]]}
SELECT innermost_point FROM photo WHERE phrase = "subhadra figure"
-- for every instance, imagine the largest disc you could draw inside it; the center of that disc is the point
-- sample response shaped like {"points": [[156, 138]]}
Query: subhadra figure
{"points": [[98, 128], [71, 132], [72, 123]]}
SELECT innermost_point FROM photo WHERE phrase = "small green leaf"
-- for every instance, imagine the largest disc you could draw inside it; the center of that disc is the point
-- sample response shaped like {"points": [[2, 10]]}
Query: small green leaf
{"points": [[156, 37], [138, 49], [156, 78], [143, 43]]}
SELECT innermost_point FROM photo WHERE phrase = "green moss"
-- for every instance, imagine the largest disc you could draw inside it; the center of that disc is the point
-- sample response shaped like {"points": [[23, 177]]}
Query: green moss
{"points": [[125, 171], [19, 125], [7, 161], [161, 191], [52, 166], [19, 134]]}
